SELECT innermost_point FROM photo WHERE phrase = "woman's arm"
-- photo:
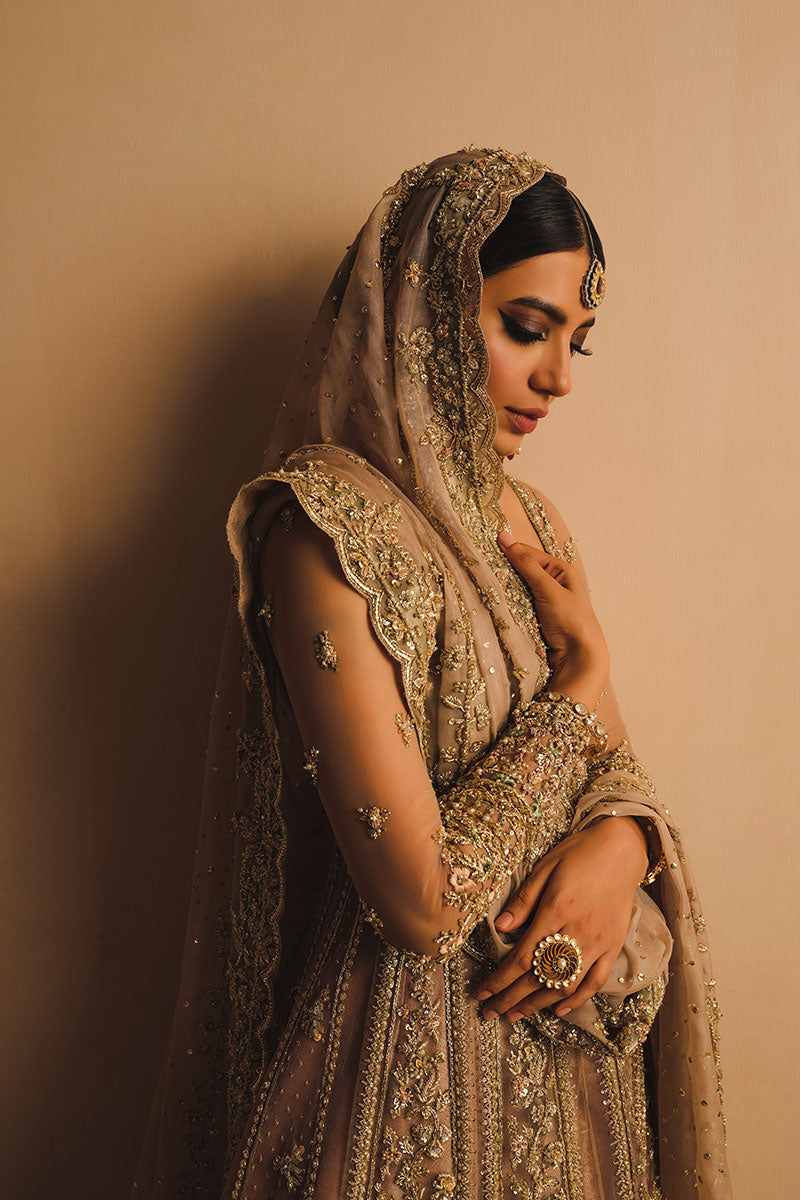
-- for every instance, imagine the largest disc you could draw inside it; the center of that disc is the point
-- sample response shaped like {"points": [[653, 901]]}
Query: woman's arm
{"points": [[426, 868], [585, 883]]}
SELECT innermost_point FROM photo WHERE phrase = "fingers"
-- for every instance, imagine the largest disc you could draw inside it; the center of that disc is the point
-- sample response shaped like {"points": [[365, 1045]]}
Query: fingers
{"points": [[519, 959], [593, 981], [537, 567], [526, 995], [521, 905]]}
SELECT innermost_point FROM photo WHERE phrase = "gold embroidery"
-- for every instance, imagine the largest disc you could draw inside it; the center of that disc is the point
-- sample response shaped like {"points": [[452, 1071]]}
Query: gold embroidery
{"points": [[371, 915], [327, 1082], [535, 1148], [254, 922], [538, 516], [418, 1097], [266, 610], [311, 763], [404, 594], [290, 1166], [315, 1014], [405, 726], [388, 973], [325, 652], [287, 515], [622, 1025], [415, 275], [491, 1110], [621, 759], [416, 351], [509, 808], [374, 818]]}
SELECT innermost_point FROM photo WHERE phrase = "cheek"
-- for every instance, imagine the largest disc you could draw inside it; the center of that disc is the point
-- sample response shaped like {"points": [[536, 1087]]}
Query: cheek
{"points": [[504, 373]]}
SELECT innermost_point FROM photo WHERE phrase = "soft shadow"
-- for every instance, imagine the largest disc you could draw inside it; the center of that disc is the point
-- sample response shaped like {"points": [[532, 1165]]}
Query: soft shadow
{"points": [[119, 810]]}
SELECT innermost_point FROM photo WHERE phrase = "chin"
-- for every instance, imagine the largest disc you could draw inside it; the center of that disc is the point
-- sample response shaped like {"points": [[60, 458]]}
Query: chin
{"points": [[506, 446]]}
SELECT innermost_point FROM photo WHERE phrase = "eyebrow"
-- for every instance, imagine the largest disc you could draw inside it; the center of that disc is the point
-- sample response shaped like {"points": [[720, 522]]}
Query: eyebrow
{"points": [[552, 310]]}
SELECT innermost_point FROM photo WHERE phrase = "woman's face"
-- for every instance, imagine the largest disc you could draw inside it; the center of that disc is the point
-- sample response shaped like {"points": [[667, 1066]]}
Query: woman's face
{"points": [[534, 322]]}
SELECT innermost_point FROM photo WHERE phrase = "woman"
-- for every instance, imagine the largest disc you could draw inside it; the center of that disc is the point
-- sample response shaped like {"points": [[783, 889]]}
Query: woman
{"points": [[421, 961]]}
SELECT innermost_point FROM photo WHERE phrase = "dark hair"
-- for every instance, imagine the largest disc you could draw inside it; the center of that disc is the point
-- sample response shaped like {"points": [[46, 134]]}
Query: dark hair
{"points": [[541, 220]]}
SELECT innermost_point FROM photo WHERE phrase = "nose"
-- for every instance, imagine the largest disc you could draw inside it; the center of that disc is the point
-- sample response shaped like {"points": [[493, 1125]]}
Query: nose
{"points": [[553, 371]]}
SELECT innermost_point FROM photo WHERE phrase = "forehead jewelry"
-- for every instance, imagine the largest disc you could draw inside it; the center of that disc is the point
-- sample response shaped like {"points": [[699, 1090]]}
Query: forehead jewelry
{"points": [[593, 284]]}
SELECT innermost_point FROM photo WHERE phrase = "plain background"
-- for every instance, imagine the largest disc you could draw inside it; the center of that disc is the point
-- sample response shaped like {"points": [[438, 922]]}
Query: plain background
{"points": [[181, 180]]}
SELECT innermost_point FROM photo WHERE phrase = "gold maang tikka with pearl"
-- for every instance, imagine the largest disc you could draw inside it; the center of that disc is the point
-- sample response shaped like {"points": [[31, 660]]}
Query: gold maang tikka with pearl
{"points": [[593, 284]]}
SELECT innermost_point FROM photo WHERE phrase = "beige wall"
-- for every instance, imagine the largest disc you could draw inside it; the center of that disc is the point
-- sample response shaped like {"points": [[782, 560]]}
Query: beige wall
{"points": [[180, 180]]}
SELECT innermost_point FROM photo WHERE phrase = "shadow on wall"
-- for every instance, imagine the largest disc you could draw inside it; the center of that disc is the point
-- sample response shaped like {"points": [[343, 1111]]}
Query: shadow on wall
{"points": [[124, 677]]}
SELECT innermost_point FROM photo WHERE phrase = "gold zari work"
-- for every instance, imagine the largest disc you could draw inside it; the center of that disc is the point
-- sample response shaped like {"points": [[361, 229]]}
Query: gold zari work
{"points": [[374, 818], [332, 1057], [311, 764], [325, 652]]}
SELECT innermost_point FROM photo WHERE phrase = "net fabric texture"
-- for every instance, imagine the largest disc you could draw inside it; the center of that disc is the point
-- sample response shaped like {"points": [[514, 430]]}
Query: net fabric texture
{"points": [[324, 1045]]}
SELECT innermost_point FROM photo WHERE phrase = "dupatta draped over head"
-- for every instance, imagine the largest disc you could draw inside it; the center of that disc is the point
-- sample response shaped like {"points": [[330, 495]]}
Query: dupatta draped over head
{"points": [[384, 437]]}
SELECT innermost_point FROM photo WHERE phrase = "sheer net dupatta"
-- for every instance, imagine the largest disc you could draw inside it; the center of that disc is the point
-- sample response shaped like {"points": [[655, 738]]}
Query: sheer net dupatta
{"points": [[687, 1086]]}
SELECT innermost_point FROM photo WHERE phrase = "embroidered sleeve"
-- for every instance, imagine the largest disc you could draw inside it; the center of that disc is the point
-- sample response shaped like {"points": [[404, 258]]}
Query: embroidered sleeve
{"points": [[426, 866], [510, 808]]}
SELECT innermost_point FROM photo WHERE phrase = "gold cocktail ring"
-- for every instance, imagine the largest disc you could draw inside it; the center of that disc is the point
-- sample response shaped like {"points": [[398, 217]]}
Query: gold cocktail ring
{"points": [[557, 961]]}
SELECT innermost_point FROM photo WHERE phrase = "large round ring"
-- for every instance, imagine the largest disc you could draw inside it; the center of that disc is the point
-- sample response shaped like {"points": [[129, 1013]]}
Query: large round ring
{"points": [[557, 961]]}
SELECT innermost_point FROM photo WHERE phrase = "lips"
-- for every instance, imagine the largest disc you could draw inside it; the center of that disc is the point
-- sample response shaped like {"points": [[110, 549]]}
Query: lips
{"points": [[526, 419]]}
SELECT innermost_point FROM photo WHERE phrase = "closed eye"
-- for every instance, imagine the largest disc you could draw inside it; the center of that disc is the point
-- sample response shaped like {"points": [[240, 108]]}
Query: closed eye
{"points": [[518, 333]]}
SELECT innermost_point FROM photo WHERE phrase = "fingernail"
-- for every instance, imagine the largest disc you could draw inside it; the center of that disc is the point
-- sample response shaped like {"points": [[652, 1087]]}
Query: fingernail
{"points": [[504, 920], [562, 1012], [506, 538], [488, 1014], [483, 995], [514, 1016]]}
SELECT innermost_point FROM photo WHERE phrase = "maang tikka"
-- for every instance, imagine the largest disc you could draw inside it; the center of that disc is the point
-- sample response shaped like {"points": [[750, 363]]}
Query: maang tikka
{"points": [[593, 284]]}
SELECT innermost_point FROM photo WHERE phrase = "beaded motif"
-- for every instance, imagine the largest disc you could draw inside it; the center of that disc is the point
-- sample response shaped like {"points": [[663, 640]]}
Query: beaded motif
{"points": [[325, 652]]}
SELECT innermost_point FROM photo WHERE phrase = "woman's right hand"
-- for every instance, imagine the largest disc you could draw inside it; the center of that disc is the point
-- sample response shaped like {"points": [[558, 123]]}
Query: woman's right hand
{"points": [[578, 656]]}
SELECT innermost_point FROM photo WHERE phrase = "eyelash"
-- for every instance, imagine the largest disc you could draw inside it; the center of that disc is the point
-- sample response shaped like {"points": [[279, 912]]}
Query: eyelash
{"points": [[524, 337]]}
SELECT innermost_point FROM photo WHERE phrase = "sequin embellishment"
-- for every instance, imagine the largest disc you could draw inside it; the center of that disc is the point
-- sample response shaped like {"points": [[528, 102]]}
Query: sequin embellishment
{"points": [[374, 818], [311, 763], [405, 727], [325, 652], [315, 1014]]}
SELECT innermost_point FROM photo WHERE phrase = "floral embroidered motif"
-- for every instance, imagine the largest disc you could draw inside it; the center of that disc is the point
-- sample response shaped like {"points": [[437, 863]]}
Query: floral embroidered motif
{"points": [[315, 1015], [416, 351], [325, 652], [509, 808], [404, 594], [415, 275], [369, 914], [417, 1096], [536, 1151], [311, 763], [406, 727], [374, 818], [460, 695], [290, 1167]]}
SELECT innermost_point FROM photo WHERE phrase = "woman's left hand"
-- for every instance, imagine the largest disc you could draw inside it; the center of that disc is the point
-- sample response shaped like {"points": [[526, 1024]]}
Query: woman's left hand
{"points": [[584, 887]]}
